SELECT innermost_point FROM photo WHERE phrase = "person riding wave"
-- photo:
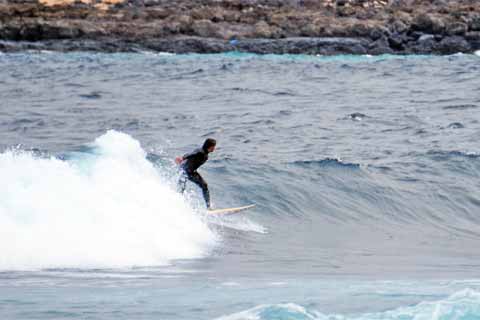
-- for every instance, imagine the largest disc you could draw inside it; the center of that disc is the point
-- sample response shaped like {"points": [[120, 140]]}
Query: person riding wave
{"points": [[189, 164]]}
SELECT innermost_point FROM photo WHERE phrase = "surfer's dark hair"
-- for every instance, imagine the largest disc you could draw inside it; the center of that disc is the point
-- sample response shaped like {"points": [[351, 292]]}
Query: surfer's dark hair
{"points": [[209, 143]]}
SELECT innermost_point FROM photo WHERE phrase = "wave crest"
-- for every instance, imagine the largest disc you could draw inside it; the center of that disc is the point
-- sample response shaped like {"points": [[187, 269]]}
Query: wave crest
{"points": [[327, 162], [462, 305]]}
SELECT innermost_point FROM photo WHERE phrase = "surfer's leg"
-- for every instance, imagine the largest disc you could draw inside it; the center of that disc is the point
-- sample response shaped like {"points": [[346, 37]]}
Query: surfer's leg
{"points": [[205, 191], [198, 180]]}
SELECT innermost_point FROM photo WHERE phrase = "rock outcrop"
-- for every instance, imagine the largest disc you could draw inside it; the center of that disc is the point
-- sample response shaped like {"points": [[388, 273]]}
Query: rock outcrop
{"points": [[261, 26]]}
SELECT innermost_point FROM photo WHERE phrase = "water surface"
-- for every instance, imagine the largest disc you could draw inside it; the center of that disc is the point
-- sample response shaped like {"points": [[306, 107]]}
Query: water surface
{"points": [[364, 171]]}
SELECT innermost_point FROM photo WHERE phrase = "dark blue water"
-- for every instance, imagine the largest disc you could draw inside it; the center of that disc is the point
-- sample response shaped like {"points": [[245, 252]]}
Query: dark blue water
{"points": [[365, 172]]}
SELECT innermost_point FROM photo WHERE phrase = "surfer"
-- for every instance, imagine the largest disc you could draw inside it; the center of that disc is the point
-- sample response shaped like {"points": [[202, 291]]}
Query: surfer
{"points": [[190, 163]]}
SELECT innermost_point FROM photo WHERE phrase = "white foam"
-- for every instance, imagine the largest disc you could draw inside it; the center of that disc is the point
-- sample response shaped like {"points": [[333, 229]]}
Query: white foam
{"points": [[156, 53], [109, 209], [279, 311], [477, 53], [462, 305], [237, 223]]}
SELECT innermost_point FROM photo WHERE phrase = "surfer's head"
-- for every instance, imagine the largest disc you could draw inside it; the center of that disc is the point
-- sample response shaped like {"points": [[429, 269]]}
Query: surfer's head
{"points": [[209, 145]]}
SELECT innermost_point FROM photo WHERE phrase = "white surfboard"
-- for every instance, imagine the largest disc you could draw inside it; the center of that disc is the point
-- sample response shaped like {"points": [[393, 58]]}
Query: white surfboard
{"points": [[228, 211]]}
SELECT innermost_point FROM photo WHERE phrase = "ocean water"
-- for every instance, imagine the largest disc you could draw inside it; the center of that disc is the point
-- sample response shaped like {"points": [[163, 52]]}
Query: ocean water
{"points": [[365, 171]]}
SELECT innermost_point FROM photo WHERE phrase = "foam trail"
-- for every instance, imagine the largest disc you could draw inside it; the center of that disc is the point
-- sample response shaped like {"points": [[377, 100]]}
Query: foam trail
{"points": [[111, 208], [237, 223], [462, 305]]}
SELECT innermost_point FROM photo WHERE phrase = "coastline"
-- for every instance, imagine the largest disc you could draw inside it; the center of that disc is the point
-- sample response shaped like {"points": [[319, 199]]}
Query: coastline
{"points": [[263, 27]]}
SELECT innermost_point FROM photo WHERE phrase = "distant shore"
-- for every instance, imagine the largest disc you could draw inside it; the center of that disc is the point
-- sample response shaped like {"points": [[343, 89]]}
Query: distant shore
{"points": [[270, 26]]}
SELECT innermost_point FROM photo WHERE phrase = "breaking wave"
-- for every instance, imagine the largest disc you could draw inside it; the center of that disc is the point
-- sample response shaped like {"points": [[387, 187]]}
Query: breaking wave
{"points": [[109, 207]]}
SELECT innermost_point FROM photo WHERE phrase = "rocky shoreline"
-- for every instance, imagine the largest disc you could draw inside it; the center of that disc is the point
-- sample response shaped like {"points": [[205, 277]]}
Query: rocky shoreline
{"points": [[323, 27]]}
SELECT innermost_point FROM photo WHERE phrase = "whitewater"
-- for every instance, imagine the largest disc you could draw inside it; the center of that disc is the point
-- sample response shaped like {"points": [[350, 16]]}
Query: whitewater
{"points": [[106, 208], [364, 171]]}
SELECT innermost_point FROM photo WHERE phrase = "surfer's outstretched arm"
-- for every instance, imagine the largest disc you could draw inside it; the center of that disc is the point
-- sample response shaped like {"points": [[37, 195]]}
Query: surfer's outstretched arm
{"points": [[179, 160]]}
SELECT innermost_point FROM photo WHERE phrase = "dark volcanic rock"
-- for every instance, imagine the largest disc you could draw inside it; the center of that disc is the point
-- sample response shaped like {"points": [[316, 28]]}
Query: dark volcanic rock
{"points": [[205, 28], [457, 28], [397, 41], [428, 23], [474, 23], [474, 40], [323, 46], [424, 45], [455, 44], [261, 26], [381, 46], [399, 27]]}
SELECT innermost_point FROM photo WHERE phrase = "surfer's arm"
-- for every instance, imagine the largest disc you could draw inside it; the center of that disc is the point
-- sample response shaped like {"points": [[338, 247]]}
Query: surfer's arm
{"points": [[179, 160]]}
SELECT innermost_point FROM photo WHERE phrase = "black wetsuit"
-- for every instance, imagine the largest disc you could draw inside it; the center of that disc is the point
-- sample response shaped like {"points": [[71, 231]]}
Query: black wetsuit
{"points": [[192, 161]]}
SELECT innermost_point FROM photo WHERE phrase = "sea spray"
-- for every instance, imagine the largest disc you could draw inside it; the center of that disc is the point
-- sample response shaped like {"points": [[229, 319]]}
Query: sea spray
{"points": [[108, 208]]}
